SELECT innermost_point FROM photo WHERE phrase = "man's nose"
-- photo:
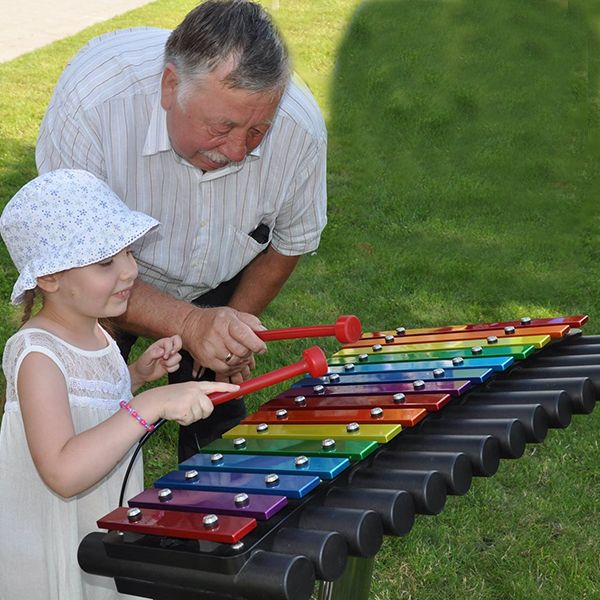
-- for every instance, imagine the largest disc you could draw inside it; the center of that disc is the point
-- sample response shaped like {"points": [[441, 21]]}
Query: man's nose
{"points": [[235, 149]]}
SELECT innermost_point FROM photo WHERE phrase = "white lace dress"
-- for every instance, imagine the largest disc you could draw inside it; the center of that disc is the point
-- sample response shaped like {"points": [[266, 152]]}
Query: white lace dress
{"points": [[40, 530]]}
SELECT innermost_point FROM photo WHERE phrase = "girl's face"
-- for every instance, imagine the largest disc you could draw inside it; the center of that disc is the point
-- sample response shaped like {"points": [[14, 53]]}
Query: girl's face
{"points": [[99, 290]]}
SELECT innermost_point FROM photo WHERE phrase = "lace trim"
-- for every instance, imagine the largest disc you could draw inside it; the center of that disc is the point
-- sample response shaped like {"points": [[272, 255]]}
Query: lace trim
{"points": [[94, 386]]}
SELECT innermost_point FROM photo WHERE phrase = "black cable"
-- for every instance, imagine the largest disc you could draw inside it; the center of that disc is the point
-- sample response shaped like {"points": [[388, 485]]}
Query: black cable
{"points": [[142, 441]]}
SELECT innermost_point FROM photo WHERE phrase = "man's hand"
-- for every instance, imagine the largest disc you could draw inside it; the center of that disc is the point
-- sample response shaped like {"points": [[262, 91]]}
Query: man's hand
{"points": [[223, 340]]}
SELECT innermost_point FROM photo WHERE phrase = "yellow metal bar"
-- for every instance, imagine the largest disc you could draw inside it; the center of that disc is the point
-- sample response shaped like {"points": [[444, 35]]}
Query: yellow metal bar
{"points": [[381, 433]]}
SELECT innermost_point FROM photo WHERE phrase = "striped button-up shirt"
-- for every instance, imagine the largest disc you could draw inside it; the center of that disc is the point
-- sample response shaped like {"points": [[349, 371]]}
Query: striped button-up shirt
{"points": [[105, 117]]}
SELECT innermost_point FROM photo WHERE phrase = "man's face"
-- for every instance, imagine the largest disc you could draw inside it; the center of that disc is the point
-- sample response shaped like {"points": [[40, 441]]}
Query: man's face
{"points": [[215, 125]]}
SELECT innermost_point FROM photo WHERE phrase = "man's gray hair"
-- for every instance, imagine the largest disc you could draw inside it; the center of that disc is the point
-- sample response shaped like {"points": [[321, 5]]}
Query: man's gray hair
{"points": [[218, 31]]}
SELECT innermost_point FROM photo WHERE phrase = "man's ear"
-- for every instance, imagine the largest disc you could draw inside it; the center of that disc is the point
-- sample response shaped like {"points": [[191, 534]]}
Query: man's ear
{"points": [[168, 86], [49, 283]]}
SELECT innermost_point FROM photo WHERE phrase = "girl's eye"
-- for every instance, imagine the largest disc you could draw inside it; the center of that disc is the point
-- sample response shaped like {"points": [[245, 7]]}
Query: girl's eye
{"points": [[106, 263]]}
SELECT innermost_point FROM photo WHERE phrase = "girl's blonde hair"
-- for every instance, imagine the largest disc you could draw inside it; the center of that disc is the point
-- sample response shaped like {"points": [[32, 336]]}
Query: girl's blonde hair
{"points": [[28, 302]]}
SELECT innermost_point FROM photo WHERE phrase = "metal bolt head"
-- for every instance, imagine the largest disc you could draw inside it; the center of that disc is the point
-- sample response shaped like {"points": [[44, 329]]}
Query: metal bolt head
{"points": [[509, 329], [377, 412], [352, 427], [301, 461], [334, 378], [400, 330], [328, 444], [165, 495], [389, 339], [399, 398], [349, 367], [492, 339], [134, 514], [525, 320], [210, 521], [476, 350], [262, 427], [241, 500], [319, 389], [458, 360], [300, 401], [377, 347], [281, 413], [418, 384], [239, 443], [363, 357], [438, 372], [272, 479], [191, 475], [216, 458]]}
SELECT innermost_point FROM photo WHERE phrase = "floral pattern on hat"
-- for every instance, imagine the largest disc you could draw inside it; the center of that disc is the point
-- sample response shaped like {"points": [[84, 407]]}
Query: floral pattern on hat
{"points": [[65, 219]]}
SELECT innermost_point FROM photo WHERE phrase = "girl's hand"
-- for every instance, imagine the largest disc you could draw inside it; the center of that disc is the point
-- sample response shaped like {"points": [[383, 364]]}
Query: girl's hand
{"points": [[186, 402], [160, 358]]}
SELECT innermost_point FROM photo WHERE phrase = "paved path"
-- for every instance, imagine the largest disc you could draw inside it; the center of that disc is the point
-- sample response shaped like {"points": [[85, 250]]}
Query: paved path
{"points": [[29, 24]]}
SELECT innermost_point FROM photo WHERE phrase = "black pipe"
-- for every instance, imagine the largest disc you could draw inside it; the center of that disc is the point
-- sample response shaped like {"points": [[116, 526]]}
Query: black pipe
{"points": [[532, 416], [327, 550], [574, 348], [427, 488], [591, 371], [264, 576], [581, 390], [482, 450], [509, 432], [362, 529], [395, 508], [565, 360], [455, 467], [557, 403]]}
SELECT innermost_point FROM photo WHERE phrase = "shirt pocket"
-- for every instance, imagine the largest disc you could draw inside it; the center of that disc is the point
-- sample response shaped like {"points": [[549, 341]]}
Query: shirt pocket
{"points": [[235, 250]]}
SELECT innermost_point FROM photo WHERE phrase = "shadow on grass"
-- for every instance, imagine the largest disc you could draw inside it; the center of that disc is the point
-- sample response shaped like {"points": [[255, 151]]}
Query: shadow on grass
{"points": [[464, 162]]}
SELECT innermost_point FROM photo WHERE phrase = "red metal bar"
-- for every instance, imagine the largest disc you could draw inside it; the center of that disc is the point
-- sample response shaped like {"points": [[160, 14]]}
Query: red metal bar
{"points": [[180, 524], [314, 362], [347, 329]]}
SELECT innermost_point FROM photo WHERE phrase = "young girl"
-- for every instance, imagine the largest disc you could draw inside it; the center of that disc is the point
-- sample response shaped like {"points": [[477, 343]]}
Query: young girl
{"points": [[70, 419]]}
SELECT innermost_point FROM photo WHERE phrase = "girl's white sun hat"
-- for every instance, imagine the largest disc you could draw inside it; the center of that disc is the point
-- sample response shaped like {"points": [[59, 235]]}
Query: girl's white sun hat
{"points": [[65, 219]]}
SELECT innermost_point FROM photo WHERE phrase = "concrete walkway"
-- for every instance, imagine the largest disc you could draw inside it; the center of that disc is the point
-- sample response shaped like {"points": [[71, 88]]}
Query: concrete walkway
{"points": [[29, 24]]}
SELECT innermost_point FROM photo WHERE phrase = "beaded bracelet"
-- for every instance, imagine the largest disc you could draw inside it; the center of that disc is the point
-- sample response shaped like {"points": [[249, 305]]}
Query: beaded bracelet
{"points": [[134, 413]]}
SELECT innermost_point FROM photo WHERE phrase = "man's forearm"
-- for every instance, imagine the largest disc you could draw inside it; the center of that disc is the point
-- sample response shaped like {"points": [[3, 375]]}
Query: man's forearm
{"points": [[262, 280], [209, 334], [153, 313]]}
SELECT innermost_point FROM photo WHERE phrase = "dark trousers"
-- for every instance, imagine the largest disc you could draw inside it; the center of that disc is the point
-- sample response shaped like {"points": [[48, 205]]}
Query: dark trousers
{"points": [[225, 416]]}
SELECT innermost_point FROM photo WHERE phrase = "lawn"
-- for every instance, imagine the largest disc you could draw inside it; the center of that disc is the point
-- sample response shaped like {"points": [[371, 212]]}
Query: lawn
{"points": [[464, 169]]}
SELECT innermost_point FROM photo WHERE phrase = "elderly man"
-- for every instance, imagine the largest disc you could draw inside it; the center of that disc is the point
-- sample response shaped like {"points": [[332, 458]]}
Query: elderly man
{"points": [[203, 129]]}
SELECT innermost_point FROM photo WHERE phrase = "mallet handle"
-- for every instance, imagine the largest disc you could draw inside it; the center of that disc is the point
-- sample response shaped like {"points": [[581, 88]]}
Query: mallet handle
{"points": [[347, 329], [313, 362]]}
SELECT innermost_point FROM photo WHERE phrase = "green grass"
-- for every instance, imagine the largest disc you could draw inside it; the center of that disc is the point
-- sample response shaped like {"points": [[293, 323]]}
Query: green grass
{"points": [[463, 186]]}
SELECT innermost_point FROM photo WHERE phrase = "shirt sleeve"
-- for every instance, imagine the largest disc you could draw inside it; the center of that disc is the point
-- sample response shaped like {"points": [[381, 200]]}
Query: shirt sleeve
{"points": [[304, 214], [68, 139]]}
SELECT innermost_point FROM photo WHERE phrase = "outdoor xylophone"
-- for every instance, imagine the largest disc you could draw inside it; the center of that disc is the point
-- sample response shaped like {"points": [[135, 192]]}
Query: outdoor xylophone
{"points": [[305, 488]]}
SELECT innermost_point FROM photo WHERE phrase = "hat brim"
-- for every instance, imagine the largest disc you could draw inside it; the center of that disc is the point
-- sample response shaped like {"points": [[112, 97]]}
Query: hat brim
{"points": [[139, 225]]}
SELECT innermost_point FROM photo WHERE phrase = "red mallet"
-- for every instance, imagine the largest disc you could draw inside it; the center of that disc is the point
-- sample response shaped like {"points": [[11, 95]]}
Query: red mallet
{"points": [[347, 329], [314, 362]]}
